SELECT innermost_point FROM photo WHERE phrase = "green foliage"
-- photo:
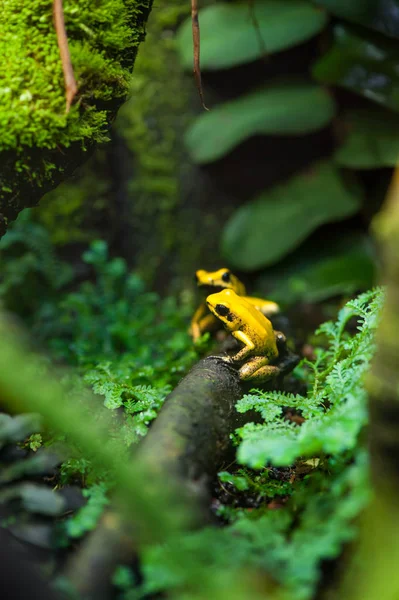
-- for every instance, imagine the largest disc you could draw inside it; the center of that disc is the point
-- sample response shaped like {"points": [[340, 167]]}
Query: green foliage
{"points": [[75, 470], [333, 265], [122, 340], [87, 517], [354, 60], [259, 484], [129, 345], [162, 514], [335, 406], [288, 545], [321, 498], [227, 31], [34, 442], [372, 140], [358, 59], [280, 109], [123, 578], [30, 270], [268, 228], [114, 316]]}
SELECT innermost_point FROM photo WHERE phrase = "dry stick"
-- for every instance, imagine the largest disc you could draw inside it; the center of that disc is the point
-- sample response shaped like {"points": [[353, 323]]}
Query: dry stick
{"points": [[69, 79], [196, 49]]}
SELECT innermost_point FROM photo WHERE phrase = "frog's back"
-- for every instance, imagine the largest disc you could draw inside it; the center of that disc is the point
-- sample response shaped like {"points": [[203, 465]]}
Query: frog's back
{"points": [[259, 328]]}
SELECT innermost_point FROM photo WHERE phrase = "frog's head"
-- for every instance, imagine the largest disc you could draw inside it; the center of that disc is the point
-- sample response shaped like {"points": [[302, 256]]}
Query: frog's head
{"points": [[223, 279], [224, 306]]}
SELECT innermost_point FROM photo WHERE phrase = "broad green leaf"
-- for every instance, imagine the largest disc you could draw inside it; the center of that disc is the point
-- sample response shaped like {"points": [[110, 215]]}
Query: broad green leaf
{"points": [[322, 269], [381, 15], [364, 63], [262, 231], [372, 140], [285, 109], [230, 37]]}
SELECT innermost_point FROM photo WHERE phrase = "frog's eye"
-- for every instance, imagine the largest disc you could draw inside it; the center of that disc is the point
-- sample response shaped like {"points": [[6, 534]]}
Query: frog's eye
{"points": [[226, 276], [221, 310]]}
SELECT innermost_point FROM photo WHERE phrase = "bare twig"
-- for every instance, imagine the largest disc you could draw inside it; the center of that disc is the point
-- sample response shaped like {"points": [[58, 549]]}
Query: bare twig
{"points": [[196, 49], [71, 87]]}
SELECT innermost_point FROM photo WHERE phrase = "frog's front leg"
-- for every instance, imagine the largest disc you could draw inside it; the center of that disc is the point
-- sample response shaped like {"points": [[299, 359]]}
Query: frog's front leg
{"points": [[248, 346], [201, 322], [258, 369]]}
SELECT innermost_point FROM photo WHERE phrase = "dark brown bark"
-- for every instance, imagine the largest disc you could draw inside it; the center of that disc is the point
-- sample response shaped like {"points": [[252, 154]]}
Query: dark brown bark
{"points": [[191, 435]]}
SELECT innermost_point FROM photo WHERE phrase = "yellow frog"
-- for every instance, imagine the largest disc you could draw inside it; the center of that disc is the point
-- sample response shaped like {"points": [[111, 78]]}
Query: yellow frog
{"points": [[249, 326], [215, 282]]}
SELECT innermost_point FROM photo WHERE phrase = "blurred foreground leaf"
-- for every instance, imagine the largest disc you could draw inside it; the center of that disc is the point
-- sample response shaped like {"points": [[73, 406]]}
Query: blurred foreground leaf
{"points": [[372, 141], [364, 63], [262, 231], [229, 37], [332, 266], [381, 15], [285, 109]]}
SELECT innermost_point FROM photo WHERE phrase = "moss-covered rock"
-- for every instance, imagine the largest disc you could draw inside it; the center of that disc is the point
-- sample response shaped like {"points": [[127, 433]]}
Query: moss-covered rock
{"points": [[39, 143]]}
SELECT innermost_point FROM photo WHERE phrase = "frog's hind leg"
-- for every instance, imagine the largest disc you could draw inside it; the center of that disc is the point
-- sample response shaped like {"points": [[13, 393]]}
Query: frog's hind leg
{"points": [[266, 307], [257, 372]]}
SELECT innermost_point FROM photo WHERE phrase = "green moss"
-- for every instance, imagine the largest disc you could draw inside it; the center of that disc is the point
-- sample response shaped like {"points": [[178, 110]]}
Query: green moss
{"points": [[35, 130], [148, 139], [152, 124]]}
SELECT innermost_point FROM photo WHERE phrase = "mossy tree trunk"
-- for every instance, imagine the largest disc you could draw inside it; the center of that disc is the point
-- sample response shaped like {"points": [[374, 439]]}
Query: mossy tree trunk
{"points": [[40, 144]]}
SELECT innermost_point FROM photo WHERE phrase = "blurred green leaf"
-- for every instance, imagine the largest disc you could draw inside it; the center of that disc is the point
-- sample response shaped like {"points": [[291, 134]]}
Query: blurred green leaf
{"points": [[229, 36], [381, 15], [332, 266], [285, 109], [262, 231], [372, 140], [364, 63]]}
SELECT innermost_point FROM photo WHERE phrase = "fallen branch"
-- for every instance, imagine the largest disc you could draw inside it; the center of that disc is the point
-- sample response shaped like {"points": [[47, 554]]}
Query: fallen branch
{"points": [[71, 87], [187, 444]]}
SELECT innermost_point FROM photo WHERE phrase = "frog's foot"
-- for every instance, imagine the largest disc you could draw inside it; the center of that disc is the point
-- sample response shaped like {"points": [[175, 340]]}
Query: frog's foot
{"points": [[226, 359], [251, 372]]}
